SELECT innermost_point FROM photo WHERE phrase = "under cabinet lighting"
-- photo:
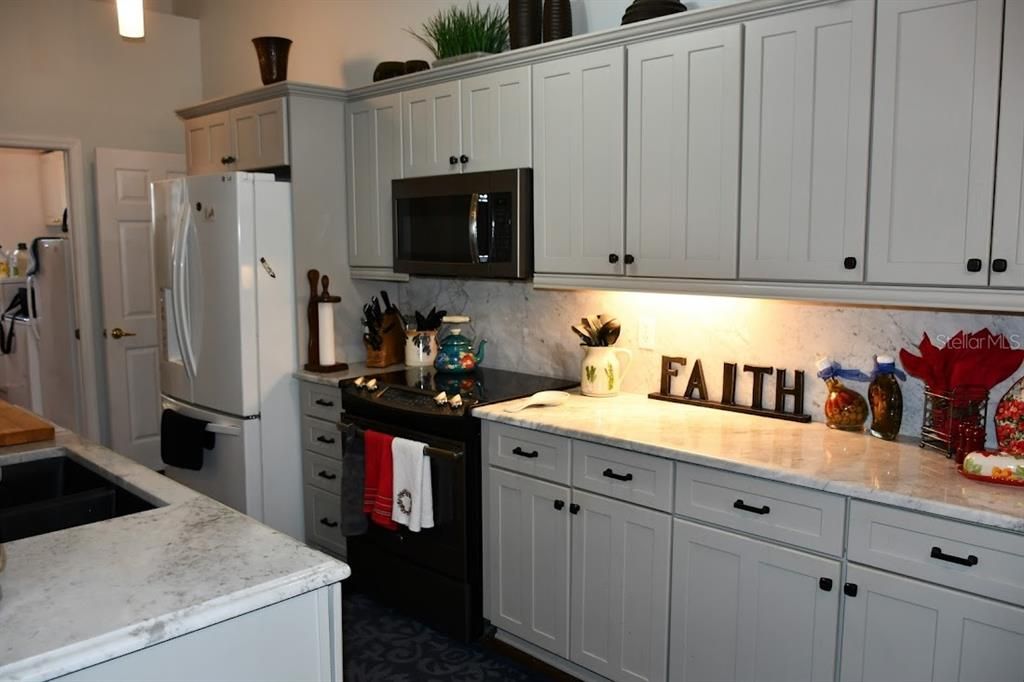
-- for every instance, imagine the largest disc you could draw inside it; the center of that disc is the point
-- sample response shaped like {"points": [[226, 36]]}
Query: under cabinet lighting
{"points": [[130, 21]]}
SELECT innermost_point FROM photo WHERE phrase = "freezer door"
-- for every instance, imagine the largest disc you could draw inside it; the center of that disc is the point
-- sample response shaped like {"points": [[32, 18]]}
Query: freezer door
{"points": [[170, 206]]}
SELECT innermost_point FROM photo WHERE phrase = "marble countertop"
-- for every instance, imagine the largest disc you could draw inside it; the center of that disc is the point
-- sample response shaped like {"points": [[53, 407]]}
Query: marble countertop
{"points": [[355, 369], [811, 455], [81, 596]]}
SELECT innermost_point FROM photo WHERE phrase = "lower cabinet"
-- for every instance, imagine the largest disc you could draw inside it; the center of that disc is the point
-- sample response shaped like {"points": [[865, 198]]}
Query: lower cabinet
{"points": [[743, 609], [897, 628]]}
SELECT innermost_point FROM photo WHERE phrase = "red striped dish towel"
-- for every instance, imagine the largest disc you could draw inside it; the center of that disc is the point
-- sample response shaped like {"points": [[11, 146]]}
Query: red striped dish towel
{"points": [[377, 485]]}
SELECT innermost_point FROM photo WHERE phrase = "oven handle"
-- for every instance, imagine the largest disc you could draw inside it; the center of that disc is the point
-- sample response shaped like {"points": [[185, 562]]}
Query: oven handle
{"points": [[474, 236], [431, 451]]}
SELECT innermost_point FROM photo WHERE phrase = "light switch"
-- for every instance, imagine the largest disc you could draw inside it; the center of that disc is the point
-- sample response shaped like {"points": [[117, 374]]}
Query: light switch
{"points": [[647, 333]]}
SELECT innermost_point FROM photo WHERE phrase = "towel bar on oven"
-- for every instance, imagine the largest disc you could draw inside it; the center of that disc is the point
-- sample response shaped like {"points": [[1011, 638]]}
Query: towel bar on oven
{"points": [[429, 450]]}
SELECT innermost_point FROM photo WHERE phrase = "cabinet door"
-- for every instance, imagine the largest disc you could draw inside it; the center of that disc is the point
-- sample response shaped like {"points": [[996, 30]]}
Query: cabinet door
{"points": [[374, 147], [496, 124], [1008, 221], [578, 159], [743, 609], [684, 155], [208, 144], [431, 130], [934, 138], [897, 628], [620, 588], [529, 559], [260, 134], [806, 121]]}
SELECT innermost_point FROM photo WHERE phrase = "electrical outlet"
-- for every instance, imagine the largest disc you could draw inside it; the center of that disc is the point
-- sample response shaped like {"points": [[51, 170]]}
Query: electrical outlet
{"points": [[647, 333]]}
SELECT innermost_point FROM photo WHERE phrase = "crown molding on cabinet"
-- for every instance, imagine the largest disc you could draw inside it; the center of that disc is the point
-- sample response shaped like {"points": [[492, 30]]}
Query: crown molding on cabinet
{"points": [[281, 89]]}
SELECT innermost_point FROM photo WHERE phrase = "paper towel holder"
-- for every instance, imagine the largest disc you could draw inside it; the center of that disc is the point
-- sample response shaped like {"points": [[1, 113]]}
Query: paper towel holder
{"points": [[313, 318]]}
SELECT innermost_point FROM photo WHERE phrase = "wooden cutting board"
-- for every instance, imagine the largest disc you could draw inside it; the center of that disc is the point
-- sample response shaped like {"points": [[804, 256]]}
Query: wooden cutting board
{"points": [[18, 425]]}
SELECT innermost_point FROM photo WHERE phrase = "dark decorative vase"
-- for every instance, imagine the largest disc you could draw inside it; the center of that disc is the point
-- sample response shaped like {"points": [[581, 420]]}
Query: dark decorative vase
{"points": [[649, 9], [557, 20], [416, 65], [272, 52], [387, 70], [523, 23]]}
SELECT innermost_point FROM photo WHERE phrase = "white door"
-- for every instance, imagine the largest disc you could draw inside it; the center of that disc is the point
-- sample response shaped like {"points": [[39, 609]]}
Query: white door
{"points": [[431, 130], [806, 121], [934, 141], [260, 134], [620, 588], [743, 609], [208, 144], [682, 185], [895, 628], [579, 133], [496, 120], [1007, 265], [373, 142], [529, 559], [129, 295]]}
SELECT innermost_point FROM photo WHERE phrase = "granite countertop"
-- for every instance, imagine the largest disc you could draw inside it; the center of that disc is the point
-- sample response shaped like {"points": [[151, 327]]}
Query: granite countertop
{"points": [[81, 596], [355, 370], [897, 473]]}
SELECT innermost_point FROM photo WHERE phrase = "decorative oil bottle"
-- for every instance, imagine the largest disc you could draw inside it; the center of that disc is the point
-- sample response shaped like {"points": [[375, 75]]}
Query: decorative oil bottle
{"points": [[886, 398], [845, 409]]}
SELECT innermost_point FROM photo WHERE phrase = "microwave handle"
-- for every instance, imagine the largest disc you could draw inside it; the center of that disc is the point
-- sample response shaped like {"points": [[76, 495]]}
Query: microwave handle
{"points": [[474, 239]]}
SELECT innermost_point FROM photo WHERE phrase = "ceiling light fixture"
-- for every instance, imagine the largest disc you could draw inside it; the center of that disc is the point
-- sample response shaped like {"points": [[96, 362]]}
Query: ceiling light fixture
{"points": [[130, 22]]}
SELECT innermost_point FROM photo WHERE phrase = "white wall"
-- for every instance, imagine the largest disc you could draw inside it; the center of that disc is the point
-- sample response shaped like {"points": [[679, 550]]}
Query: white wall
{"points": [[21, 197]]}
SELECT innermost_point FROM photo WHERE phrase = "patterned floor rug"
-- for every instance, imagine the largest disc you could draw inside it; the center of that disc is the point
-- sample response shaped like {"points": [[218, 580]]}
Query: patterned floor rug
{"points": [[382, 645]]}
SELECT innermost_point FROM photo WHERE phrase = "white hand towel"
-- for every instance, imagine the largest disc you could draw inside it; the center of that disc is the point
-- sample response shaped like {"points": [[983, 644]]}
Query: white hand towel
{"points": [[413, 504]]}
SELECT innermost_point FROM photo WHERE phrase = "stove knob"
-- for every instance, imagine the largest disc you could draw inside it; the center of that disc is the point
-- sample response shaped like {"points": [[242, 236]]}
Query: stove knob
{"points": [[456, 402], [360, 382], [441, 399], [371, 385]]}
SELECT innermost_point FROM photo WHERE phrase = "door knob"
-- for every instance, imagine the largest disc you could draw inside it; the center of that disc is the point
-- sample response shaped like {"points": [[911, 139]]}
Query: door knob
{"points": [[118, 333]]}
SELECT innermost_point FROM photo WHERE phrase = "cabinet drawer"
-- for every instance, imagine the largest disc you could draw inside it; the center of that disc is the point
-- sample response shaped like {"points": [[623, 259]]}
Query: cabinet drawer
{"points": [[532, 452], [321, 437], [322, 402], [959, 555], [629, 476], [323, 520], [322, 472], [783, 512]]}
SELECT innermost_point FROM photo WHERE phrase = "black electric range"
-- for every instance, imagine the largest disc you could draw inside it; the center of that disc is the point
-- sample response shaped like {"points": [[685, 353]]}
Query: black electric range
{"points": [[435, 574]]}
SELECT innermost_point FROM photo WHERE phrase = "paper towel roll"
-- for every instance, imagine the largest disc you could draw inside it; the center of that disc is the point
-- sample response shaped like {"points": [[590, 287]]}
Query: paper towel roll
{"points": [[326, 333]]}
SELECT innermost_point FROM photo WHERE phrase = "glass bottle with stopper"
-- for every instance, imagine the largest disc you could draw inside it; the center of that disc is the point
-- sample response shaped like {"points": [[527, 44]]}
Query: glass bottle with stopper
{"points": [[320, 315]]}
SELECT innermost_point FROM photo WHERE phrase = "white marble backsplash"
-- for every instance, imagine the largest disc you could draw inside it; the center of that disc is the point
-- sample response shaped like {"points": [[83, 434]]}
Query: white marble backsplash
{"points": [[527, 330]]}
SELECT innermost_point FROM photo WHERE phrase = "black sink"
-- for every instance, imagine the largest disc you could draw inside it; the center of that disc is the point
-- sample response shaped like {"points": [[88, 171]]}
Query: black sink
{"points": [[51, 494]]}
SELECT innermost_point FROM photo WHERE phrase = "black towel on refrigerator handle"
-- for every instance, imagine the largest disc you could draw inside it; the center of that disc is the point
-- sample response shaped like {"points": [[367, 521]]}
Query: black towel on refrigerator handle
{"points": [[183, 439]]}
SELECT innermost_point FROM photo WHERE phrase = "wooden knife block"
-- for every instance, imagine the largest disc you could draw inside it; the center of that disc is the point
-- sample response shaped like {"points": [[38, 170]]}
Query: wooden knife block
{"points": [[392, 350]]}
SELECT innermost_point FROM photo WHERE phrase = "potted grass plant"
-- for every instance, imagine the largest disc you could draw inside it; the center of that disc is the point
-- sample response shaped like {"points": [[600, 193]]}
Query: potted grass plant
{"points": [[460, 33]]}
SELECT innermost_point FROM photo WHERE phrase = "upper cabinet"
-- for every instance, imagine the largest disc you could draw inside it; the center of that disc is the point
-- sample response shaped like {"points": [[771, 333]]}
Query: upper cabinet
{"points": [[248, 137], [578, 156], [683, 154], [1007, 264], [934, 141], [806, 122], [477, 124], [373, 141]]}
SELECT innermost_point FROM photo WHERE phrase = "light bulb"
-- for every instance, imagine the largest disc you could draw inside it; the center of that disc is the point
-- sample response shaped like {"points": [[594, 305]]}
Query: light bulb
{"points": [[130, 21]]}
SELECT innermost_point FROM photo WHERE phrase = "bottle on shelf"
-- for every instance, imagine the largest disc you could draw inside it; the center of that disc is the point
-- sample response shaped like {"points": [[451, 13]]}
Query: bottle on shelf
{"points": [[845, 409], [5, 267], [886, 398], [19, 260]]}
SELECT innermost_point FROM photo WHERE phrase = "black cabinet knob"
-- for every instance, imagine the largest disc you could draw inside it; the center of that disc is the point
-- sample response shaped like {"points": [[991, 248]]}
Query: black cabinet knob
{"points": [[850, 589], [825, 584], [629, 259], [463, 159], [999, 265], [453, 160], [850, 263], [227, 160], [574, 508], [973, 265], [613, 258], [559, 505]]}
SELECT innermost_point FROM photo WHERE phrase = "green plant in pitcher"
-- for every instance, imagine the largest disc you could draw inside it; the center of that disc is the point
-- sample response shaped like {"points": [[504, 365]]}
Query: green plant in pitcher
{"points": [[462, 30]]}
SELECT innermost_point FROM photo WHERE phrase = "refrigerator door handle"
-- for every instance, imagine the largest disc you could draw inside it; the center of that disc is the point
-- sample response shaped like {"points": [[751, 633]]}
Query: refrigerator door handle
{"points": [[177, 291], [193, 272], [186, 304], [30, 283]]}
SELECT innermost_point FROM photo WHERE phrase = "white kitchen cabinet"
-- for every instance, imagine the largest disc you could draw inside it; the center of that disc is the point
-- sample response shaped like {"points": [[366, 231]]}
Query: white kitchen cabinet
{"points": [[373, 133], [1007, 266], [743, 609], [54, 184], [431, 130], [528, 559], [896, 628], [208, 145], [620, 588], [578, 160], [934, 140], [496, 121], [682, 186], [806, 122], [260, 134]]}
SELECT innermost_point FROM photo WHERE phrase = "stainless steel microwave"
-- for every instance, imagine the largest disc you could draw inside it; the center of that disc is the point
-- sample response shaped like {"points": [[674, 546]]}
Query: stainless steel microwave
{"points": [[465, 225]]}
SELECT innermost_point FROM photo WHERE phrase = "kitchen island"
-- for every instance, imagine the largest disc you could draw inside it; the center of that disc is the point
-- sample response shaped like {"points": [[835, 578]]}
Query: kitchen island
{"points": [[188, 589]]}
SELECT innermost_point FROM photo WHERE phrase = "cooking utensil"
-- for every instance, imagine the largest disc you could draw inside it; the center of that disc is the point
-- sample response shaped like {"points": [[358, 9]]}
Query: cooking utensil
{"points": [[539, 399], [587, 340]]}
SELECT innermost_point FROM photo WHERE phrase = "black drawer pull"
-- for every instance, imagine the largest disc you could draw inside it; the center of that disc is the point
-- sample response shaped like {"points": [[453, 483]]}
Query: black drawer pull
{"points": [[325, 439], [523, 453], [825, 584], [937, 553], [324, 474], [574, 508], [559, 505], [850, 589], [327, 522], [973, 265], [738, 504], [324, 403], [618, 477]]}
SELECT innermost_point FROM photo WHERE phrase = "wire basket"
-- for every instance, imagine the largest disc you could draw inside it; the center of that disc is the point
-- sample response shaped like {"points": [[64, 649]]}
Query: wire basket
{"points": [[954, 421]]}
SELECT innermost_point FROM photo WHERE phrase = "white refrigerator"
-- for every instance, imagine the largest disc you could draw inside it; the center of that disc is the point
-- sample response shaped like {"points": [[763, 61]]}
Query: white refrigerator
{"points": [[228, 347]]}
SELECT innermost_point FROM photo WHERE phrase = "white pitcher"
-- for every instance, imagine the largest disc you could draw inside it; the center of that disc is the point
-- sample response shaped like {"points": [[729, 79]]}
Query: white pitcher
{"points": [[601, 372]]}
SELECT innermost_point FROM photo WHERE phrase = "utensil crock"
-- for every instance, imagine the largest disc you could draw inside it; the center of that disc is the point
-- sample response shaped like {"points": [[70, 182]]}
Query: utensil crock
{"points": [[602, 371], [420, 348]]}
